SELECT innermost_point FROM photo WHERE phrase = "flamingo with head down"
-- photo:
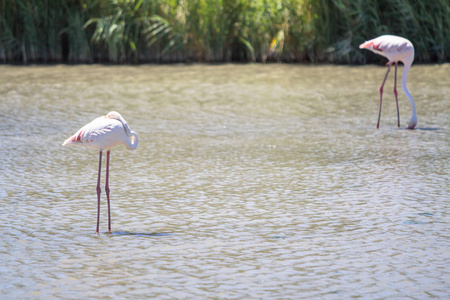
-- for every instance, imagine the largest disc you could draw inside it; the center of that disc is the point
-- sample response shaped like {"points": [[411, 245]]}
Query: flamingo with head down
{"points": [[103, 134], [394, 48]]}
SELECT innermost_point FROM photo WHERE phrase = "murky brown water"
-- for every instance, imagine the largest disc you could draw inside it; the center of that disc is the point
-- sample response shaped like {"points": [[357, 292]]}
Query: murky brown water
{"points": [[249, 182]]}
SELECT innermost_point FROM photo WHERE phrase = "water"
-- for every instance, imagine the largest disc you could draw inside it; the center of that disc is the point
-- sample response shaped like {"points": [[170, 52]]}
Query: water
{"points": [[249, 182]]}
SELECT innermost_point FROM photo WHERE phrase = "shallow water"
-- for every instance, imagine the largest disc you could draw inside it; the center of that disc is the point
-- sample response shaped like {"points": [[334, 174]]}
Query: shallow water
{"points": [[249, 182]]}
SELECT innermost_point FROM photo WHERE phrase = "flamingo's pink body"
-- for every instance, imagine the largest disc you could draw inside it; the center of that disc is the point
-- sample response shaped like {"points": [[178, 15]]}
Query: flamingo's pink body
{"points": [[103, 134], [394, 48]]}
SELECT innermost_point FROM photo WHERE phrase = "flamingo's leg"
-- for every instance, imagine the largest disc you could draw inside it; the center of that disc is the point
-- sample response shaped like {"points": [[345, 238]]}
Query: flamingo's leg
{"points": [[99, 189], [381, 93], [107, 189], [396, 94]]}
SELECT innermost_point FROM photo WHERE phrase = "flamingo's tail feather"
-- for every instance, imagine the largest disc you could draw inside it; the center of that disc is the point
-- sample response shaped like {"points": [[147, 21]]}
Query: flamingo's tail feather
{"points": [[366, 44], [73, 139], [371, 45]]}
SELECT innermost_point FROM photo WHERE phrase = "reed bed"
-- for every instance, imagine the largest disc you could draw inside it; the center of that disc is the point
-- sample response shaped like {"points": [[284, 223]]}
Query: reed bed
{"points": [[165, 31]]}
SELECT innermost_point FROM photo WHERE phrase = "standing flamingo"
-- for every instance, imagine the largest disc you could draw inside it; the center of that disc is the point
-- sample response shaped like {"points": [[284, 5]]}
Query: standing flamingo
{"points": [[394, 48], [103, 134]]}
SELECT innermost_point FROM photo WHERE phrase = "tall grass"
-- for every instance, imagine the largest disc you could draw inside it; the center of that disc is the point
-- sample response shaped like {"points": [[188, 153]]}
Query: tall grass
{"points": [[137, 31], [341, 25]]}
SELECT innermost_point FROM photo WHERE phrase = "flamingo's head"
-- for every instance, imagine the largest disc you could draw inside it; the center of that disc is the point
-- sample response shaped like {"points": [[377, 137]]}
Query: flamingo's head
{"points": [[413, 122]]}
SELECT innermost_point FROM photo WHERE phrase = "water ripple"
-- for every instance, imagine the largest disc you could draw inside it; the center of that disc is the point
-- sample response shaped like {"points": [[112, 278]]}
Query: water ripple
{"points": [[250, 181]]}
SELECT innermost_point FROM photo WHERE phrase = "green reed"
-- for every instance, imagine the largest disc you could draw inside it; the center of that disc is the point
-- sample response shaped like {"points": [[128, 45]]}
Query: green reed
{"points": [[341, 25], [136, 31]]}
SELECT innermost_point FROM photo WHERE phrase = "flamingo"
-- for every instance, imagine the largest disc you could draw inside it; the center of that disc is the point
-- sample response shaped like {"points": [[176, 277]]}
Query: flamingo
{"points": [[103, 134], [394, 48]]}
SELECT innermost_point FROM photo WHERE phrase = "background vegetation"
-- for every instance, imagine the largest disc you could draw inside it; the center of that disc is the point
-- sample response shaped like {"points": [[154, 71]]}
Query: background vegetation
{"points": [[162, 31]]}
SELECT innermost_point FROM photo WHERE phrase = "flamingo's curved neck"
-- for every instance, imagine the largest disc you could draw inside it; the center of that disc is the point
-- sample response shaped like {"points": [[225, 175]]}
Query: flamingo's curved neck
{"points": [[405, 89], [407, 66], [121, 120]]}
